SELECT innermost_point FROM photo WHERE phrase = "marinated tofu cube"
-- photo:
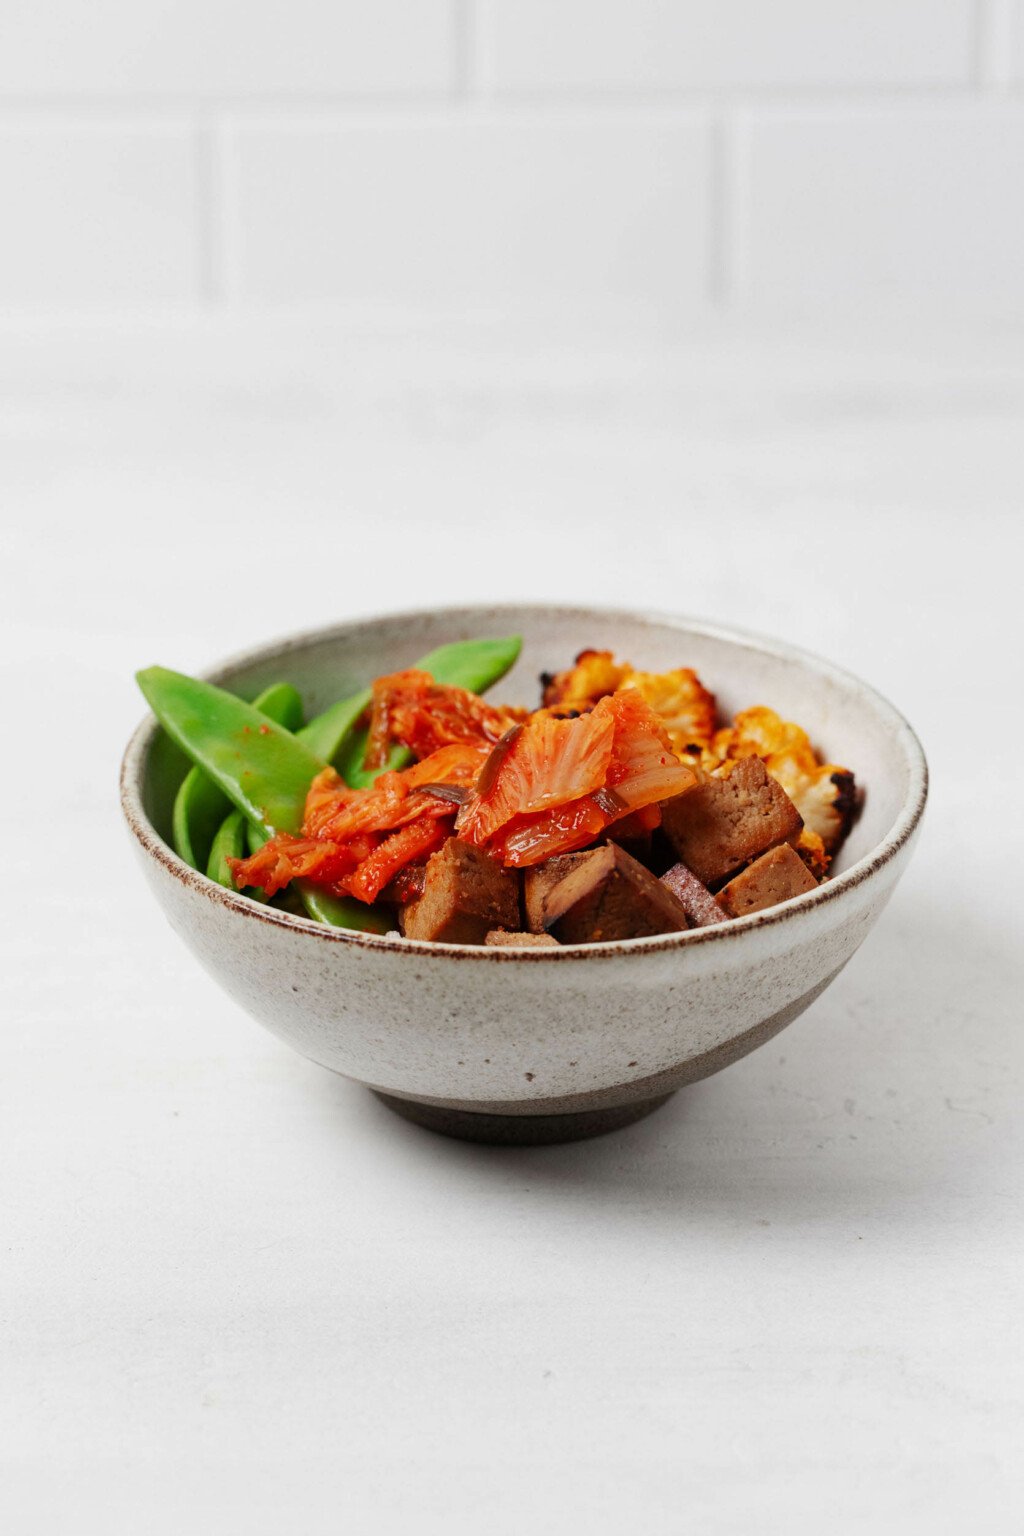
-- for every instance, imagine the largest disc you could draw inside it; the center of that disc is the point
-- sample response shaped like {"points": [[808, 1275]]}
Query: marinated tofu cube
{"points": [[698, 903], [406, 886], [500, 938], [466, 895], [602, 895], [725, 822], [774, 877], [551, 888], [634, 833]]}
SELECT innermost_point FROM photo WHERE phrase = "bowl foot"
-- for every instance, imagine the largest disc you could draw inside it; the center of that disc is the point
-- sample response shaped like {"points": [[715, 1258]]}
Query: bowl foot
{"points": [[520, 1130]]}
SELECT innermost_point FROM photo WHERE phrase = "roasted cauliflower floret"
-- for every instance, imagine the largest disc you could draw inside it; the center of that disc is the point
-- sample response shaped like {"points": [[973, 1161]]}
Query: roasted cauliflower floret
{"points": [[761, 732], [823, 793], [679, 697], [682, 701], [701, 758], [827, 803], [595, 674], [812, 850]]}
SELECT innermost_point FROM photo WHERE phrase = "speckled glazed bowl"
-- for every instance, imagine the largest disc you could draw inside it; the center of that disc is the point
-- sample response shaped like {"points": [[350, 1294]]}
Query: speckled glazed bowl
{"points": [[543, 1044]]}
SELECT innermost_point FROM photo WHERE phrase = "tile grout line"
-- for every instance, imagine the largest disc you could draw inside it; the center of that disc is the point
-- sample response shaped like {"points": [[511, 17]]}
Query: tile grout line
{"points": [[992, 67], [735, 205], [211, 212], [725, 259], [478, 21], [718, 212], [464, 71]]}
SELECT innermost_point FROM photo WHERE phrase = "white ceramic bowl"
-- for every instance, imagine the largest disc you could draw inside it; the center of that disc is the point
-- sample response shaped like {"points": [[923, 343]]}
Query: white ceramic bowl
{"points": [[543, 1044]]}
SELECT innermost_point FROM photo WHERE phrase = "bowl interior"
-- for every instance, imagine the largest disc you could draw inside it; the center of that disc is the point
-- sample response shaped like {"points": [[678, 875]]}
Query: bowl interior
{"points": [[848, 722]]}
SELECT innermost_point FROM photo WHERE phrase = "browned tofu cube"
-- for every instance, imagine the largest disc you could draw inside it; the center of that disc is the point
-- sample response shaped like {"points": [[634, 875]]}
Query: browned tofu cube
{"points": [[502, 939], [600, 895], [698, 903], [774, 877], [726, 822], [633, 834], [406, 886], [551, 888], [466, 894]]}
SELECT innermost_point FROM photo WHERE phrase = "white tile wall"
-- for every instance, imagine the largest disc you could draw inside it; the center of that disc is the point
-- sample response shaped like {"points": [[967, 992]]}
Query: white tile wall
{"points": [[482, 211], [524, 153], [920, 209], [556, 45], [225, 47], [97, 214]]}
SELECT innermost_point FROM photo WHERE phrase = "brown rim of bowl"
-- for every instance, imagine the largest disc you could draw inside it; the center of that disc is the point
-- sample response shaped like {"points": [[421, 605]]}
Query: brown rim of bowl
{"points": [[902, 830]]}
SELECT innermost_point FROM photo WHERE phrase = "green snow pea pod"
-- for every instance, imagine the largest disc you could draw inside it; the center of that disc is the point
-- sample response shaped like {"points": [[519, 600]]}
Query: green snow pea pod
{"points": [[238, 837], [344, 911], [200, 805], [325, 733], [280, 702], [472, 664], [229, 843], [339, 911], [262, 769], [265, 772]]}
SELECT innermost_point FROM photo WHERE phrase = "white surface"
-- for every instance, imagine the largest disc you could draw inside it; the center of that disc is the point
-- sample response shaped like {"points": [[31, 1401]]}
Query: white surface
{"points": [[237, 1294], [516, 156]]}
